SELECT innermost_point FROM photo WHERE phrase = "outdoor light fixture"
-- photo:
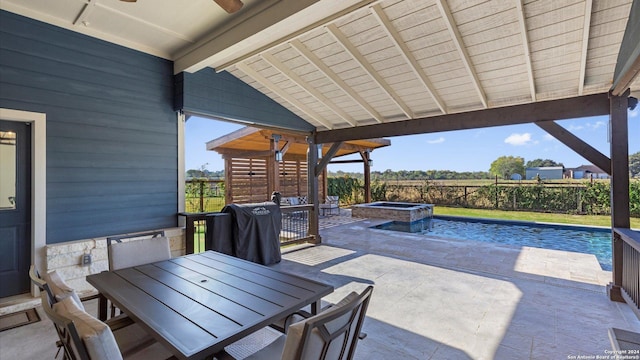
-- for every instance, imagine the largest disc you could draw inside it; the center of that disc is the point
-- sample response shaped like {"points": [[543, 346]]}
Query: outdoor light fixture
{"points": [[370, 162], [633, 102], [278, 153]]}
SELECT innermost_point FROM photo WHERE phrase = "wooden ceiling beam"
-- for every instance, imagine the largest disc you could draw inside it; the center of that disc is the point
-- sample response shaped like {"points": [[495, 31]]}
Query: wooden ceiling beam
{"points": [[342, 40], [322, 164], [585, 44], [331, 75], [404, 50], [273, 61], [576, 144], [462, 50], [527, 52], [584, 106], [284, 95]]}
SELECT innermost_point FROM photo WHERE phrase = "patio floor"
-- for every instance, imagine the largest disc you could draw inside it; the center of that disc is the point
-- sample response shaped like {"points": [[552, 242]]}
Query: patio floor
{"points": [[442, 299]]}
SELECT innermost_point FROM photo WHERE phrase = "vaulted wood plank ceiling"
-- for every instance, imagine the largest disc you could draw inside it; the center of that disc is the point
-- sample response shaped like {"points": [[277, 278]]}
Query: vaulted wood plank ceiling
{"points": [[347, 63], [399, 60]]}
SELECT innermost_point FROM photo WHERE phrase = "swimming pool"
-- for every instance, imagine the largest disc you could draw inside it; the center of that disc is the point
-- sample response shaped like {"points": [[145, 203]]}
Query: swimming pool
{"points": [[588, 240]]}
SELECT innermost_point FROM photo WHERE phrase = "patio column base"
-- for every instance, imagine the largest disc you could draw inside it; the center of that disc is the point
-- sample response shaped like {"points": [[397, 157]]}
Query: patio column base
{"points": [[316, 240], [614, 292]]}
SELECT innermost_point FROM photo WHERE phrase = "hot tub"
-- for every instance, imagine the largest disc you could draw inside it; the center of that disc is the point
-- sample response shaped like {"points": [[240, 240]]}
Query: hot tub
{"points": [[399, 211]]}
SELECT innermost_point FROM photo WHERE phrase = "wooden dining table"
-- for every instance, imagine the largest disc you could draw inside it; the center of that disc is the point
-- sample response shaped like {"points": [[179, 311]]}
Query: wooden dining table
{"points": [[197, 304]]}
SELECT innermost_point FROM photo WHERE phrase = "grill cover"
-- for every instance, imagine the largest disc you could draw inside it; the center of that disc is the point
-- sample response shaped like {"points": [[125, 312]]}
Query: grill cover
{"points": [[256, 231], [219, 235]]}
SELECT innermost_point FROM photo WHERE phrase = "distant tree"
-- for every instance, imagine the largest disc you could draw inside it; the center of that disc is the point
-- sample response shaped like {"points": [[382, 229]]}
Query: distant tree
{"points": [[542, 163], [194, 174], [505, 166], [634, 165]]}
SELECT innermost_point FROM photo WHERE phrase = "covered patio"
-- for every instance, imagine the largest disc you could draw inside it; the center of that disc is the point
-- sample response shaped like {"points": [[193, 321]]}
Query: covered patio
{"points": [[441, 299], [101, 89]]}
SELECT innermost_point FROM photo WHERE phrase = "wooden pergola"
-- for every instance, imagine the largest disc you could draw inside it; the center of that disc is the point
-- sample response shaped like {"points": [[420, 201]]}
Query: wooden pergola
{"points": [[258, 162]]}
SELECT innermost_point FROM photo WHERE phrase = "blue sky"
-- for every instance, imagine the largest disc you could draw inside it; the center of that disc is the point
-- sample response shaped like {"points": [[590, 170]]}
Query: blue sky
{"points": [[466, 150]]}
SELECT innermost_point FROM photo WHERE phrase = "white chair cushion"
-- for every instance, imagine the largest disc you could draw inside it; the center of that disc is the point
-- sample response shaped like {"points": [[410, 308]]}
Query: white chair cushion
{"points": [[314, 346], [138, 252], [96, 335], [60, 289]]}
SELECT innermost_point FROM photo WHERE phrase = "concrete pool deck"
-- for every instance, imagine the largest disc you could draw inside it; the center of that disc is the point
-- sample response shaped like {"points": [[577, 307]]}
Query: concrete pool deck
{"points": [[442, 299], [452, 299]]}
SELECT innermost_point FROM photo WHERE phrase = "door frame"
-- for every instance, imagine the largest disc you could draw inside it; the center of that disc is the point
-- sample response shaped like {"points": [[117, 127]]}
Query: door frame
{"points": [[38, 123]]}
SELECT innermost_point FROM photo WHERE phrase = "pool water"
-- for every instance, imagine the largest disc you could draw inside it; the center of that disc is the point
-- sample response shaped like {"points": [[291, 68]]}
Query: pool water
{"points": [[596, 241]]}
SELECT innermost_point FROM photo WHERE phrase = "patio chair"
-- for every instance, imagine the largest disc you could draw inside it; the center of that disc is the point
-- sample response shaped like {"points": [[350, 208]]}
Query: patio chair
{"points": [[38, 281], [331, 335], [295, 201], [136, 252], [84, 337], [332, 203], [57, 290]]}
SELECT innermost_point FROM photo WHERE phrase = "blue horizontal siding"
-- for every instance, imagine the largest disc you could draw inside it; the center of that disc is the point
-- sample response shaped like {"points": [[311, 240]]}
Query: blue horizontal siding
{"points": [[112, 149], [223, 95]]}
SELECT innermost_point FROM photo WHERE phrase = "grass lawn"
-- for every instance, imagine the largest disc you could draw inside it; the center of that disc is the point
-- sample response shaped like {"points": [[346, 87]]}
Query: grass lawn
{"points": [[592, 220]]}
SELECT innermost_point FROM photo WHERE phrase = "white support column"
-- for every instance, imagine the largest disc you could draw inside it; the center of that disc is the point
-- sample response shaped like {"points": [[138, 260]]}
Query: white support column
{"points": [[181, 166]]}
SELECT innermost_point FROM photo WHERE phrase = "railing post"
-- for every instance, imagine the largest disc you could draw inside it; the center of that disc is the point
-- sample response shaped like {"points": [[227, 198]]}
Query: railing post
{"points": [[201, 196], [190, 231]]}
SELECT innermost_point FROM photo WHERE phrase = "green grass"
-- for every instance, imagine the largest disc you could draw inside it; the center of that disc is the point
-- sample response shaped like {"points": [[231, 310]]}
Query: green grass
{"points": [[590, 220]]}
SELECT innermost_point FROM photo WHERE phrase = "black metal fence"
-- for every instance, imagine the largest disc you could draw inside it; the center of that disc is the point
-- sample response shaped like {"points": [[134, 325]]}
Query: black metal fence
{"points": [[203, 195], [295, 224]]}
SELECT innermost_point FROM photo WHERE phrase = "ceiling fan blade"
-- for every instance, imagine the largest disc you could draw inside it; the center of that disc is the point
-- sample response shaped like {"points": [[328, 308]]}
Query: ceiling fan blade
{"points": [[230, 6], [128, 0]]}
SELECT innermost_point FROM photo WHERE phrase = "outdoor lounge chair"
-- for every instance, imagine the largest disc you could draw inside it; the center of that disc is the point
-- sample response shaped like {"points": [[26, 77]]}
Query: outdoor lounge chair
{"points": [[84, 337], [330, 335], [295, 201], [332, 203]]}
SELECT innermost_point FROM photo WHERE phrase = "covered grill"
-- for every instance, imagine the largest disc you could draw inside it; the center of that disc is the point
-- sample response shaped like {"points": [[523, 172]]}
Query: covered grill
{"points": [[256, 231]]}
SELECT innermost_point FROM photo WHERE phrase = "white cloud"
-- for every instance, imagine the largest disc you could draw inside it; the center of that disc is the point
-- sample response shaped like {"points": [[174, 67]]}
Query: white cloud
{"points": [[548, 137], [518, 139], [575, 127], [439, 140], [596, 125]]}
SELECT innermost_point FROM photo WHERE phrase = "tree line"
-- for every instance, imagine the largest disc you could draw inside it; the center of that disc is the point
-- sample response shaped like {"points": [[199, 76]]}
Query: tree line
{"points": [[502, 167]]}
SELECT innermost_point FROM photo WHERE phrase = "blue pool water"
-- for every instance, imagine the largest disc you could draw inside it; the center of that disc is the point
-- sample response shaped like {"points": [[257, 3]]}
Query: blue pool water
{"points": [[596, 241]]}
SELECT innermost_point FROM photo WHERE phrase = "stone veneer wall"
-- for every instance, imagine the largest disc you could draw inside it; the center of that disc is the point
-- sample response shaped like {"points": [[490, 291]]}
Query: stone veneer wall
{"points": [[65, 258]]}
